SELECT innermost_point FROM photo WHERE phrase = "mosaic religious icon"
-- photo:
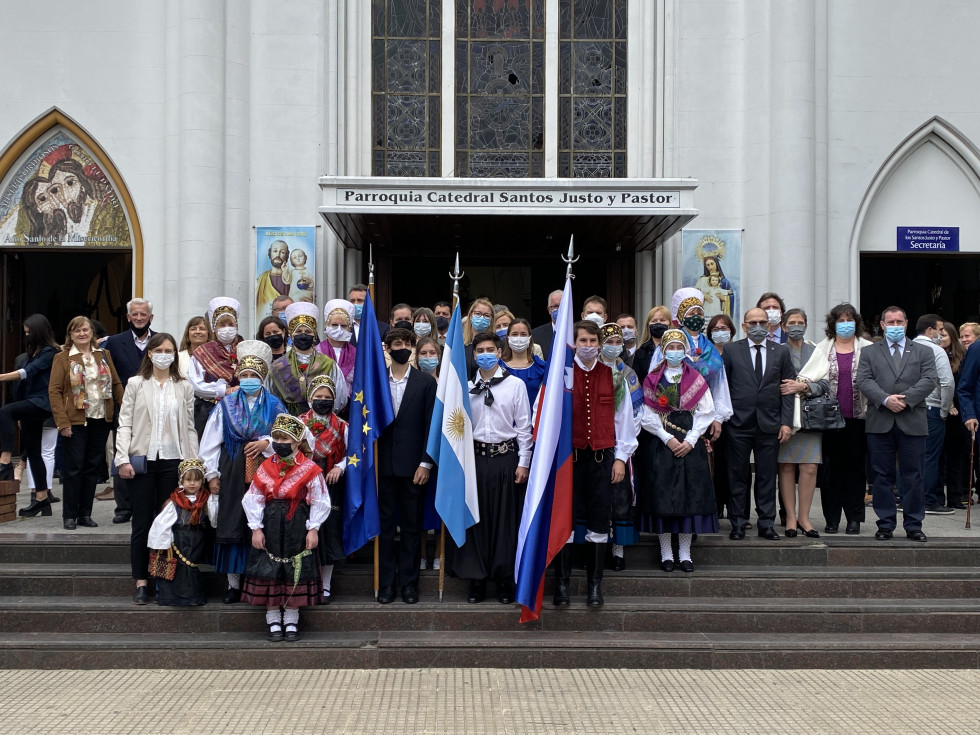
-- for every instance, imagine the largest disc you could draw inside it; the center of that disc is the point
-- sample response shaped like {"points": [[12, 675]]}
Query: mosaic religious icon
{"points": [[57, 194]]}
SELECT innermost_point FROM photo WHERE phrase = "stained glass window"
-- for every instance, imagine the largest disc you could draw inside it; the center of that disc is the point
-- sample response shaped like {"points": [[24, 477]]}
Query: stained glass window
{"points": [[500, 88], [592, 84], [406, 86]]}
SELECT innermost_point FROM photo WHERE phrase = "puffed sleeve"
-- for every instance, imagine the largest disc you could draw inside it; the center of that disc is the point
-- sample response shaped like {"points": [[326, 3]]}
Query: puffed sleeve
{"points": [[319, 498], [162, 530], [254, 505], [203, 388]]}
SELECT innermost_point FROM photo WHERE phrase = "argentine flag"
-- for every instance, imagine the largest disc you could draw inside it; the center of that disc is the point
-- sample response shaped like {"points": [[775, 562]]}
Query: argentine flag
{"points": [[451, 439]]}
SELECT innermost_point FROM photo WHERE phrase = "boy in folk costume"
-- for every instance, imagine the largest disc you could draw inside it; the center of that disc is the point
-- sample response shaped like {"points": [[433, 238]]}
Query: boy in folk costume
{"points": [[329, 451], [212, 371], [182, 525], [236, 438], [286, 504]]}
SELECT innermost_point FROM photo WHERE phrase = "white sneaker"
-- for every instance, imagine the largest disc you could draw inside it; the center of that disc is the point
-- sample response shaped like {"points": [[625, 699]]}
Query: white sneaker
{"points": [[422, 565], [435, 564]]}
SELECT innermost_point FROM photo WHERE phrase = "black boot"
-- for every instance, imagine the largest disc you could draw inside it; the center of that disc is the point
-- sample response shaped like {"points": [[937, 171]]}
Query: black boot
{"points": [[562, 575], [594, 574]]}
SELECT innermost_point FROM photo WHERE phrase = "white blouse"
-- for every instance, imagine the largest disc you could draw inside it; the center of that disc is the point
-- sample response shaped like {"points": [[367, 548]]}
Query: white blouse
{"points": [[162, 530], [317, 495], [164, 435]]}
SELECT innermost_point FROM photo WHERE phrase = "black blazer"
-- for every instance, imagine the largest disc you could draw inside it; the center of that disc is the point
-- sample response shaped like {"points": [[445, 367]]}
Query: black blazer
{"points": [[758, 406], [126, 356], [401, 447], [34, 387], [642, 358], [543, 336]]}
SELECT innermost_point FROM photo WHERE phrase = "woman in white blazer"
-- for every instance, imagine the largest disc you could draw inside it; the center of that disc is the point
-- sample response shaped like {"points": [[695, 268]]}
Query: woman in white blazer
{"points": [[156, 431]]}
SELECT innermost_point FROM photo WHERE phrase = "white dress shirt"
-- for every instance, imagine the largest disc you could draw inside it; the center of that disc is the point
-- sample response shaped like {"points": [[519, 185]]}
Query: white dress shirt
{"points": [[162, 530], [508, 418], [317, 496], [213, 439], [704, 414], [141, 341], [164, 435], [626, 442], [398, 389]]}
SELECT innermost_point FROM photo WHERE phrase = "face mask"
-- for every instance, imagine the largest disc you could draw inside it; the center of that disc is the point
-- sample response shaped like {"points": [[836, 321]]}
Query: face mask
{"points": [[845, 329], [629, 335], [275, 341], [721, 336], [674, 357], [657, 330], [775, 315], [323, 406], [519, 344], [422, 329], [303, 342], [338, 333], [358, 310], [895, 334], [226, 335], [795, 331], [502, 333], [250, 385], [480, 323], [282, 316], [554, 316], [757, 333], [611, 352], [140, 331], [428, 364], [487, 360], [695, 322], [587, 354], [162, 360], [283, 449], [403, 324], [595, 318], [442, 324], [938, 339], [400, 356]]}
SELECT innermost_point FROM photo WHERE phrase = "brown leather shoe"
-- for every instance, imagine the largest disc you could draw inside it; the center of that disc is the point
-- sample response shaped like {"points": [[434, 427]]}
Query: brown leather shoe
{"points": [[106, 494]]}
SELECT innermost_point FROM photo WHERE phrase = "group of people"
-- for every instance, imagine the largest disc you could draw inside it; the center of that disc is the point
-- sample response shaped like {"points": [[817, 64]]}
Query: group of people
{"points": [[233, 451]]}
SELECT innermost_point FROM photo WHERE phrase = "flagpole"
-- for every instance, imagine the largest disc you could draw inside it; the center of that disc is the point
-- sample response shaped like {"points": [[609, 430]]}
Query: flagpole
{"points": [[377, 552]]}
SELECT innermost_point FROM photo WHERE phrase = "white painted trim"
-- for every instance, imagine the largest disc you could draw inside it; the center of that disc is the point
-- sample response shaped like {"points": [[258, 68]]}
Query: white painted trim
{"points": [[551, 89], [448, 110]]}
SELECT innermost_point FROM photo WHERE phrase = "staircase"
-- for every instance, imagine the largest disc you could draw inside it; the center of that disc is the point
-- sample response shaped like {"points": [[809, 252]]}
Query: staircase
{"points": [[838, 602]]}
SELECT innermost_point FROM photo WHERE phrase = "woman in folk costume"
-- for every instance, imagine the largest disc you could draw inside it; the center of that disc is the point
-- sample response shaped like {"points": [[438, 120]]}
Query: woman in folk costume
{"points": [[292, 373], [677, 493], [329, 451], [212, 368], [286, 504], [183, 525], [237, 435], [338, 329]]}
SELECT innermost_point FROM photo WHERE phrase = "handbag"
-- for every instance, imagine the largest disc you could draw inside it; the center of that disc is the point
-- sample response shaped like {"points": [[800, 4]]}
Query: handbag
{"points": [[820, 413], [138, 461], [163, 566]]}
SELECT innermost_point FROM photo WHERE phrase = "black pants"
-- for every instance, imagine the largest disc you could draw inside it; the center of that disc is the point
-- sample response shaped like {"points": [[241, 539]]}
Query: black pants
{"points": [[120, 487], [147, 493], [844, 453], [82, 455], [399, 498], [592, 487], [741, 443], [909, 453], [32, 421], [957, 457]]}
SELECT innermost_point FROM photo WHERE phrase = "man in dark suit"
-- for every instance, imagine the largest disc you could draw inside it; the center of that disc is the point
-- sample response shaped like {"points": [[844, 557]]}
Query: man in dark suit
{"points": [[896, 375], [127, 349], [403, 470], [774, 307], [544, 335], [755, 367]]}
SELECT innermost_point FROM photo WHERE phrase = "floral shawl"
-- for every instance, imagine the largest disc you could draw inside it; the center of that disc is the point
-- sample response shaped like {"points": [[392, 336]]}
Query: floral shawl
{"points": [[217, 362], [330, 446], [241, 424], [83, 395], [286, 479], [665, 396], [289, 377]]}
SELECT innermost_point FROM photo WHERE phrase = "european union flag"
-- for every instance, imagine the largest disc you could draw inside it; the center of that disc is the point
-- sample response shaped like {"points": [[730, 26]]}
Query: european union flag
{"points": [[370, 413]]}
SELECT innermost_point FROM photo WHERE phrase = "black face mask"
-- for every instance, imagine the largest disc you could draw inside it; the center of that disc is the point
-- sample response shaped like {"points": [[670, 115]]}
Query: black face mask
{"points": [[275, 341], [400, 356], [283, 449], [442, 324], [140, 331], [323, 406], [657, 330], [403, 325], [303, 342]]}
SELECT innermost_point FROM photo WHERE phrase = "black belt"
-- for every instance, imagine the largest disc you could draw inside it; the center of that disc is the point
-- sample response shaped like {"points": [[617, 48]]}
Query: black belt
{"points": [[485, 449], [212, 401]]}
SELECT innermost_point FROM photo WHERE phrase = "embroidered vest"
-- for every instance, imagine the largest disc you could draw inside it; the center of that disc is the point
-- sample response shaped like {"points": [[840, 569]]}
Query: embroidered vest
{"points": [[593, 408]]}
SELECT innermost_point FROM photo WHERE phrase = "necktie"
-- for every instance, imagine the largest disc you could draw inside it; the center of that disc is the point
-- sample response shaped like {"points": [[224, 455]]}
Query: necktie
{"points": [[758, 363], [771, 336], [485, 385], [896, 354]]}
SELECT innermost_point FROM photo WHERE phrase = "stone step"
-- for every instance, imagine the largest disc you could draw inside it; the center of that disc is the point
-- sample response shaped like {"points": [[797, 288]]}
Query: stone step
{"points": [[619, 615], [517, 649], [113, 580]]}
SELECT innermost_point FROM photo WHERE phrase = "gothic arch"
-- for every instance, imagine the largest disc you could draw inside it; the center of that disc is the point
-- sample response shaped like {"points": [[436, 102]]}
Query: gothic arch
{"points": [[43, 127]]}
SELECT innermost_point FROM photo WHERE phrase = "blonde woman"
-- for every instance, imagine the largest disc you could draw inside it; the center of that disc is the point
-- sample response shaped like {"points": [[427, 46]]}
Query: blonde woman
{"points": [[657, 322]]}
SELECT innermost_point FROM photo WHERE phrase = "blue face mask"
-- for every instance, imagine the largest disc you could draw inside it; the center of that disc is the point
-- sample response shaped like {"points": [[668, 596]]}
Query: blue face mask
{"points": [[487, 360], [251, 386], [611, 352], [358, 310], [480, 323], [674, 357], [554, 316], [845, 329], [428, 364], [502, 333], [895, 334]]}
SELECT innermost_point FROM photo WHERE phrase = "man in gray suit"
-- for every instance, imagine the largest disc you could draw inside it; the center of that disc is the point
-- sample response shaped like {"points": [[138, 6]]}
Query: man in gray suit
{"points": [[896, 375]]}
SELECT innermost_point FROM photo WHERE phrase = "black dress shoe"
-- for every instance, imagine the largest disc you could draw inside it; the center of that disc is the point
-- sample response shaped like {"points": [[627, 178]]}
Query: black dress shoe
{"points": [[275, 633], [70, 524], [737, 534], [667, 565], [915, 536], [790, 533], [36, 508], [53, 498], [619, 564], [883, 534], [410, 595], [853, 528], [87, 522], [687, 566], [812, 533], [505, 593], [768, 533], [122, 517], [478, 591], [141, 597], [386, 595], [326, 599], [292, 633], [232, 595], [831, 528]]}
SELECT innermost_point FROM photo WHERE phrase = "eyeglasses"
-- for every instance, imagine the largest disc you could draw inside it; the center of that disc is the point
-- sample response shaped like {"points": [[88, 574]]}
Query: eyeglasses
{"points": [[763, 323]]}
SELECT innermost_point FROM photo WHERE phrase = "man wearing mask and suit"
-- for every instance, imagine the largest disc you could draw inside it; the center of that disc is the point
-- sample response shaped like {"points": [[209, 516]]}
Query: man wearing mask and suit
{"points": [[126, 350], [896, 375], [762, 419], [774, 307], [544, 335]]}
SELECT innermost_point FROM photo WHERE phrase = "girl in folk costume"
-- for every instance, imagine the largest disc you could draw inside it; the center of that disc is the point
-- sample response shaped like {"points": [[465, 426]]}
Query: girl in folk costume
{"points": [[212, 368], [338, 320], [330, 454], [286, 504], [182, 527], [677, 495], [237, 435], [292, 373]]}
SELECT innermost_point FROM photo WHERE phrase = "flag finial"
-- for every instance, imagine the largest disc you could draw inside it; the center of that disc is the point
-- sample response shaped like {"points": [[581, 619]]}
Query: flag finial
{"points": [[570, 258], [370, 264], [457, 275]]}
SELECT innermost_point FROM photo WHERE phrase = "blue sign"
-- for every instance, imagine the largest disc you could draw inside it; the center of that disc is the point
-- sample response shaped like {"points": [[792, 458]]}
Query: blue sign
{"points": [[929, 239]]}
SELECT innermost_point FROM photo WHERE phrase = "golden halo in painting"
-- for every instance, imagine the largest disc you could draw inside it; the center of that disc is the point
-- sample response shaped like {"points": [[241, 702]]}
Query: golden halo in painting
{"points": [[456, 424]]}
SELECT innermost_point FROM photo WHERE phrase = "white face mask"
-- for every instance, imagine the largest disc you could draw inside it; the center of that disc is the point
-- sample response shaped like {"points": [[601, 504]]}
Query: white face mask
{"points": [[775, 315], [226, 335], [162, 360], [422, 329], [338, 333], [518, 344], [593, 316], [629, 335]]}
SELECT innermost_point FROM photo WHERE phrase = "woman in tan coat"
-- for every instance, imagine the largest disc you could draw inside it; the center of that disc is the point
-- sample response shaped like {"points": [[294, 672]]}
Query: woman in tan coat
{"points": [[84, 392]]}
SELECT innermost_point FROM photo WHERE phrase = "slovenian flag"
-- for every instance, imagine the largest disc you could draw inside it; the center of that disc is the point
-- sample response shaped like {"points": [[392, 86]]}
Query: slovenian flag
{"points": [[451, 439], [546, 523]]}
